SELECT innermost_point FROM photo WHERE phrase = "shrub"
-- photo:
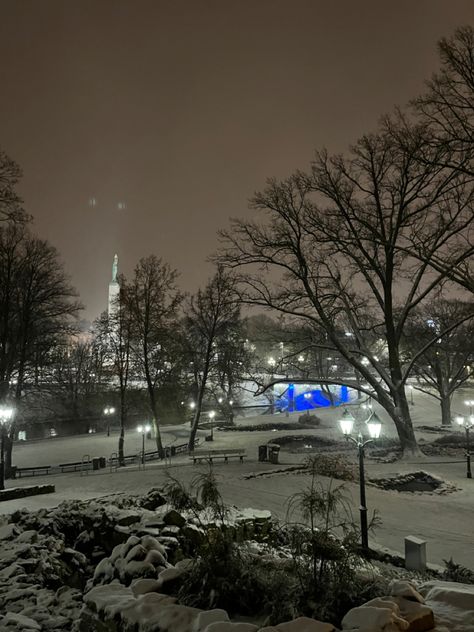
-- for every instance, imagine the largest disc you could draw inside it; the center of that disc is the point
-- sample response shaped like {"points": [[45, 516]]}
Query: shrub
{"points": [[457, 573], [456, 440], [309, 420]]}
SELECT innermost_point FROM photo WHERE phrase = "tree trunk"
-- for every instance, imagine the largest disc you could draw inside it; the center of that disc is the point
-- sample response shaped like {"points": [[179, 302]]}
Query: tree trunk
{"points": [[402, 419], [9, 450], [154, 412], [445, 404], [123, 415]]}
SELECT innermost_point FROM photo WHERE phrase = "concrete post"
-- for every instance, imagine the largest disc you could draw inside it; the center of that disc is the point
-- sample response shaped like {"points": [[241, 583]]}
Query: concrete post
{"points": [[415, 553]]}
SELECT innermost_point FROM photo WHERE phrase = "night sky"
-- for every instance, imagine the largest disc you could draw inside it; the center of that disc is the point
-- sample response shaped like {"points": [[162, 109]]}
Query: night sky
{"points": [[181, 110]]}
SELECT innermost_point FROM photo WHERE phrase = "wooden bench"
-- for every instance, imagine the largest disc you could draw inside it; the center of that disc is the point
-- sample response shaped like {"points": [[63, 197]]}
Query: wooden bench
{"points": [[77, 466], [128, 459], [210, 455], [32, 471]]}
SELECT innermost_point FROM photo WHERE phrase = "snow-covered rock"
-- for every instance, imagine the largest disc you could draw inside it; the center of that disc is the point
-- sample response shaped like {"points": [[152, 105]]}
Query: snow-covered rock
{"points": [[20, 620], [452, 604], [301, 624], [206, 617], [369, 619], [403, 588], [229, 626]]}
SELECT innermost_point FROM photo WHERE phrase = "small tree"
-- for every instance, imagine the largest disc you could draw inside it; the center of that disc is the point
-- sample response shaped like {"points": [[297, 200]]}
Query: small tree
{"points": [[444, 367], [152, 300], [113, 334], [209, 317]]}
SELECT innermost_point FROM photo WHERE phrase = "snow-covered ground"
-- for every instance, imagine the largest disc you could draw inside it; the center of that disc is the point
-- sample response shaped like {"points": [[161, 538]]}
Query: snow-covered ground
{"points": [[445, 522]]}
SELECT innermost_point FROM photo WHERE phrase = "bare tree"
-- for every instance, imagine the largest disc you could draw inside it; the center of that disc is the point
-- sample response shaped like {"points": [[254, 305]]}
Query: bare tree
{"points": [[37, 304], [114, 334], [209, 316], [447, 106], [346, 240], [11, 208], [443, 368], [152, 300]]}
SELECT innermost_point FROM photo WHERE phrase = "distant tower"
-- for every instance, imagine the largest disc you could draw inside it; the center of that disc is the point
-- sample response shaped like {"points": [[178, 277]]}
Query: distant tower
{"points": [[114, 287]]}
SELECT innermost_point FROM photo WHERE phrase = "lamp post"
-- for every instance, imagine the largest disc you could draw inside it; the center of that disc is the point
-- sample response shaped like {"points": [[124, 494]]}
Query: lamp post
{"points": [[467, 424], [144, 430], [212, 414], [108, 411], [374, 427], [411, 395], [6, 413], [192, 406]]}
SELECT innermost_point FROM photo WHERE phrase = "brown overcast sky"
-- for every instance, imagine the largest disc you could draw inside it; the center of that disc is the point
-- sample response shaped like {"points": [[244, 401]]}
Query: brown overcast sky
{"points": [[182, 109]]}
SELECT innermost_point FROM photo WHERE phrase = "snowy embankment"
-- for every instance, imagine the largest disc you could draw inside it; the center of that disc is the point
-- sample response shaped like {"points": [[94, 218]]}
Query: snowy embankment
{"points": [[89, 566]]}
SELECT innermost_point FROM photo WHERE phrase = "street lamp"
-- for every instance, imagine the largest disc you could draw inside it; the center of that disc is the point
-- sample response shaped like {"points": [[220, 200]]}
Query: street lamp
{"points": [[374, 427], [6, 413], [470, 403], [411, 395], [144, 430], [108, 410], [467, 424], [212, 414]]}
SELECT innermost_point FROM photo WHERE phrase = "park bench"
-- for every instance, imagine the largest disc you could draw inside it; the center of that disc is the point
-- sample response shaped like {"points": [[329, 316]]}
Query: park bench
{"points": [[76, 466], [128, 459], [32, 471], [224, 453]]}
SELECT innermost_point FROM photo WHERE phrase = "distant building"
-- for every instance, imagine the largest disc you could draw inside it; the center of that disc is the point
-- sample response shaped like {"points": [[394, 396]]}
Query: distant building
{"points": [[114, 288]]}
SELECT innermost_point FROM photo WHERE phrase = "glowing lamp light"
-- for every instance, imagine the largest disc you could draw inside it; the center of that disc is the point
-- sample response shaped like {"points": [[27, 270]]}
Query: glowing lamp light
{"points": [[6, 413], [212, 414], [192, 405], [459, 419], [346, 423], [144, 429], [346, 426], [374, 426]]}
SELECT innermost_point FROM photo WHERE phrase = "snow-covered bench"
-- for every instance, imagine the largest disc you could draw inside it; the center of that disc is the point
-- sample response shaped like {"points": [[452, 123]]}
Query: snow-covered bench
{"points": [[224, 453], [32, 471], [76, 466]]}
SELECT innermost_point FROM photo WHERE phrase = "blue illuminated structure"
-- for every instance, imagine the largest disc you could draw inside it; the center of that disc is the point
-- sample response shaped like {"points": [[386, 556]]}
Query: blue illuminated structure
{"points": [[311, 398]]}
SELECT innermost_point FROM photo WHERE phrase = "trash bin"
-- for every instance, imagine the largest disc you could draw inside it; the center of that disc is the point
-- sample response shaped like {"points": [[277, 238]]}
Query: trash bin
{"points": [[273, 452], [95, 463], [102, 462], [262, 453]]}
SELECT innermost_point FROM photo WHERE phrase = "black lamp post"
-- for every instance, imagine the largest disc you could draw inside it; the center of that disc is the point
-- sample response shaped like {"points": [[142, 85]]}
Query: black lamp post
{"points": [[108, 411], [212, 414], [466, 423], [6, 413], [144, 430], [374, 427]]}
